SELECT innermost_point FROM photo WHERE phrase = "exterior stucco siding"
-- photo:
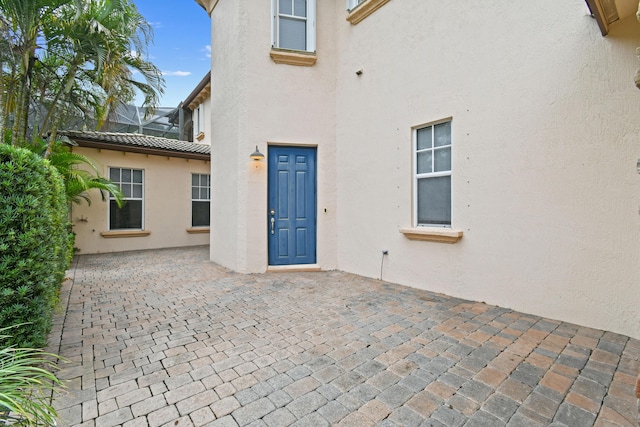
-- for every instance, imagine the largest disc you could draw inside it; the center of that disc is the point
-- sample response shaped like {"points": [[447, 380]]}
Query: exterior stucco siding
{"points": [[167, 204], [262, 103], [545, 144], [545, 186], [228, 127]]}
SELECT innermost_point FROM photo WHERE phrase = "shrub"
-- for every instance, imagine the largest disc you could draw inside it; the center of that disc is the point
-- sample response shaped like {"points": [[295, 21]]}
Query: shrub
{"points": [[34, 244]]}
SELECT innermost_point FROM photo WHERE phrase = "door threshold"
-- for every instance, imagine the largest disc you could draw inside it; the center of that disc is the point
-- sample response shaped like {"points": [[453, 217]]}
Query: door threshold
{"points": [[293, 268]]}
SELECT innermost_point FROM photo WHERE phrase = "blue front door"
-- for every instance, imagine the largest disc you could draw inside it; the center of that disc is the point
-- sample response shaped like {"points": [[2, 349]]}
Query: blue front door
{"points": [[291, 216]]}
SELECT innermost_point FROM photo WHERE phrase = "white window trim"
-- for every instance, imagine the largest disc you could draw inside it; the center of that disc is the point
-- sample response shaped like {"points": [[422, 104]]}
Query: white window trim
{"points": [[126, 198], [357, 11], [352, 4], [417, 176], [311, 25], [200, 200], [197, 125]]}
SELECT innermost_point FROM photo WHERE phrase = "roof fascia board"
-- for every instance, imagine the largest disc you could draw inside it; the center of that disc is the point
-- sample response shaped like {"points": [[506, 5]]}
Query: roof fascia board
{"points": [[195, 92], [140, 150]]}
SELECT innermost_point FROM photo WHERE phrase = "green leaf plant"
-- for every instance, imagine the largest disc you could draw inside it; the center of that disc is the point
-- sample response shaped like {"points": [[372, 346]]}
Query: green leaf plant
{"points": [[26, 385]]}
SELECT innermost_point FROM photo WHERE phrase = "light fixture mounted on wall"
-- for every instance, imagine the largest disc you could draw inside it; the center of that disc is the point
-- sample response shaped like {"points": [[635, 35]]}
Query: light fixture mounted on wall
{"points": [[257, 155]]}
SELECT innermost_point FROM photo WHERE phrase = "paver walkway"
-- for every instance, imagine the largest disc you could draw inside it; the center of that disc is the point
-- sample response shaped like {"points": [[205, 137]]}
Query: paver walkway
{"points": [[166, 337]]}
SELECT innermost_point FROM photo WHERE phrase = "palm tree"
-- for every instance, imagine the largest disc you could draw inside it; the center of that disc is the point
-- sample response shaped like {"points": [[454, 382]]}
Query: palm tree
{"points": [[21, 25], [26, 382], [103, 43], [75, 56], [79, 172], [78, 181], [71, 58]]}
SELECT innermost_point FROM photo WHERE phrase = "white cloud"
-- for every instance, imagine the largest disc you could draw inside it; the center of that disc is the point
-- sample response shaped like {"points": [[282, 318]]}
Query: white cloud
{"points": [[207, 49], [176, 73]]}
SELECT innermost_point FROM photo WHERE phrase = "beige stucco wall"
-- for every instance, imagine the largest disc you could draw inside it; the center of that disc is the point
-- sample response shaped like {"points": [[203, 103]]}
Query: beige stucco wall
{"points": [[253, 104], [545, 144], [167, 204]]}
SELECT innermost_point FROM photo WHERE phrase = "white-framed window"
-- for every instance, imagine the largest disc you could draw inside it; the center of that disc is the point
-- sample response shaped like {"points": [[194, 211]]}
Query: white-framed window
{"points": [[200, 200], [432, 172], [130, 216], [198, 117], [294, 24], [351, 4]]}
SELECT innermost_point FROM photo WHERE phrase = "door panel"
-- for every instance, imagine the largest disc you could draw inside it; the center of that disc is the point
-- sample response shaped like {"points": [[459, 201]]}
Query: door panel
{"points": [[291, 219]]}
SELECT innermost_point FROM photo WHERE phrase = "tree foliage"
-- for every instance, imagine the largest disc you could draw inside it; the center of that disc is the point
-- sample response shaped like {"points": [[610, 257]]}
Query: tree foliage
{"points": [[79, 173], [62, 59]]}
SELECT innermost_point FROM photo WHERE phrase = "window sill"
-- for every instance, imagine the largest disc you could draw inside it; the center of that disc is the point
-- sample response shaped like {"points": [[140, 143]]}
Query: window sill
{"points": [[364, 9], [200, 136], [293, 57], [125, 233], [198, 230], [432, 234]]}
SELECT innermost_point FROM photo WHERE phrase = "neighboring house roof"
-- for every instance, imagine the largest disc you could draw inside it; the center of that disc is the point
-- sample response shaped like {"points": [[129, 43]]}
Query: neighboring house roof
{"points": [[199, 94], [136, 143]]}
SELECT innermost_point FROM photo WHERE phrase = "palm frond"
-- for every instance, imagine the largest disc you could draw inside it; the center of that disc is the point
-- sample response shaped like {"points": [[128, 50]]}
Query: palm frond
{"points": [[26, 381]]}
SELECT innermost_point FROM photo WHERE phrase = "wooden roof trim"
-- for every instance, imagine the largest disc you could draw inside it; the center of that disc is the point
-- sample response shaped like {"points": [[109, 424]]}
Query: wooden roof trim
{"points": [[199, 91], [202, 95]]}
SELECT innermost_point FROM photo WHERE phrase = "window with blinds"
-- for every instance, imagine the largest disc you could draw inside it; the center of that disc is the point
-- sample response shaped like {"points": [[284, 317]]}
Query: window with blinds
{"points": [[130, 215], [432, 185], [200, 200], [294, 25]]}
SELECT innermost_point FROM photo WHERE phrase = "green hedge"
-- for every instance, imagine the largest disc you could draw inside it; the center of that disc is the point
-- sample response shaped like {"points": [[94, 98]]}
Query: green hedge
{"points": [[35, 244]]}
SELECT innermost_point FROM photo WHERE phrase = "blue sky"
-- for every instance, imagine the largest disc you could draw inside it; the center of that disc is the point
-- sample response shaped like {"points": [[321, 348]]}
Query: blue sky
{"points": [[181, 45]]}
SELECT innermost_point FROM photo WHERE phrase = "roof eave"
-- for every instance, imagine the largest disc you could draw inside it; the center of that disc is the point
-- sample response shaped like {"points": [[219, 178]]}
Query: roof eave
{"points": [[140, 150], [197, 95], [208, 5]]}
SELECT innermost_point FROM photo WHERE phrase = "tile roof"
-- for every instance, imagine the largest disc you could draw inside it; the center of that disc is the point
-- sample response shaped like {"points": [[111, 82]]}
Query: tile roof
{"points": [[123, 141]]}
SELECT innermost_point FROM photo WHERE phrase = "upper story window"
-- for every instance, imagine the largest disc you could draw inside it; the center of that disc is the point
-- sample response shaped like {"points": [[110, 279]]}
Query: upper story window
{"points": [[353, 3], [294, 26], [360, 9], [197, 120], [432, 184], [130, 215]]}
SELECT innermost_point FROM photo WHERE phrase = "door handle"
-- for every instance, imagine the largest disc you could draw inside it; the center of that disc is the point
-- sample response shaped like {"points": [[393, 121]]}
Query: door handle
{"points": [[272, 212]]}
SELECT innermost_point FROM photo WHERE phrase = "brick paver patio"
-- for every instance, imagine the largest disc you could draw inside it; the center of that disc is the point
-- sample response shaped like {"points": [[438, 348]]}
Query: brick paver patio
{"points": [[166, 337]]}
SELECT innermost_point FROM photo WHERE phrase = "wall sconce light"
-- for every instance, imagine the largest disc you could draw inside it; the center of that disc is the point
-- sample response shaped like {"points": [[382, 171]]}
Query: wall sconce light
{"points": [[257, 155]]}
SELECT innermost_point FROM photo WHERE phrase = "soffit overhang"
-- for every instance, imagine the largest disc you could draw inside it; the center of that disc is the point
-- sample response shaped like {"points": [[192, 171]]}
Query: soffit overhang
{"points": [[606, 12], [208, 5]]}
